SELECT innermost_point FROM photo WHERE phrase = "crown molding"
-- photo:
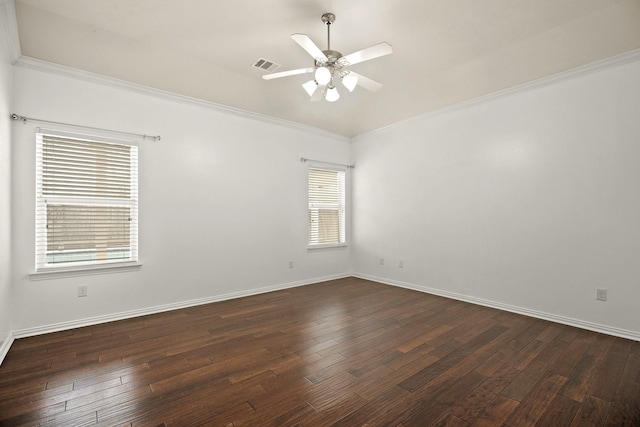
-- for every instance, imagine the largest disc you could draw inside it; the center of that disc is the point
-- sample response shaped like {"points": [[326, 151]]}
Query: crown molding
{"points": [[8, 11], [594, 67], [74, 73]]}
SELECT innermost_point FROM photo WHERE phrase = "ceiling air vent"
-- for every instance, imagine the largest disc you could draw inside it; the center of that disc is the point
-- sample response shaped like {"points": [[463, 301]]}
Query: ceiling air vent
{"points": [[266, 65]]}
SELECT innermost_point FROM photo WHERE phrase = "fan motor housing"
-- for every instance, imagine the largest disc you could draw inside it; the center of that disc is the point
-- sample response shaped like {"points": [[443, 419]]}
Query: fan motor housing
{"points": [[332, 57]]}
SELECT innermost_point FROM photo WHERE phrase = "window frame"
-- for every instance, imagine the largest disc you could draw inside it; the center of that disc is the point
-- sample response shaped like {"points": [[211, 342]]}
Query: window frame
{"points": [[94, 266], [341, 206]]}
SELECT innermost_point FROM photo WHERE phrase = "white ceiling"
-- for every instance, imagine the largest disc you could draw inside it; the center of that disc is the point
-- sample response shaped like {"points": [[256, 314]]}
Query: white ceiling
{"points": [[445, 51]]}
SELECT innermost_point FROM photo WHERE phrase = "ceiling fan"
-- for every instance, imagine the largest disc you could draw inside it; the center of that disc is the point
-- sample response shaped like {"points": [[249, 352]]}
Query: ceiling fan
{"points": [[330, 66]]}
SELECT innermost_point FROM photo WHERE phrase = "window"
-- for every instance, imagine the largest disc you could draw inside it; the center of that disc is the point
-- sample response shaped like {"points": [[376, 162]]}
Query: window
{"points": [[326, 207], [86, 201]]}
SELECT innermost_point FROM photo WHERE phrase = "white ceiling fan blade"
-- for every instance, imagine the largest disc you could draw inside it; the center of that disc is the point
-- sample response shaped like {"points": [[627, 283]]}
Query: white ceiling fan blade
{"points": [[307, 44], [376, 51], [287, 73], [319, 93], [367, 83]]}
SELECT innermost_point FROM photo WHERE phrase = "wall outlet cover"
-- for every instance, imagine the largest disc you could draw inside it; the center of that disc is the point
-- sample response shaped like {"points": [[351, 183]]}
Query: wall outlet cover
{"points": [[601, 294]]}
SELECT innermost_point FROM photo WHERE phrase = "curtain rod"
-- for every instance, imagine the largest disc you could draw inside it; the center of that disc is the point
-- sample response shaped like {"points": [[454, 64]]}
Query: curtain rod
{"points": [[302, 159], [30, 119]]}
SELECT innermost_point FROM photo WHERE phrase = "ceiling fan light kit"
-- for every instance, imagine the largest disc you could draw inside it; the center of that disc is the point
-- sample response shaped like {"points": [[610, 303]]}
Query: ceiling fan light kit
{"points": [[331, 65], [332, 94], [350, 81], [310, 86], [323, 75]]}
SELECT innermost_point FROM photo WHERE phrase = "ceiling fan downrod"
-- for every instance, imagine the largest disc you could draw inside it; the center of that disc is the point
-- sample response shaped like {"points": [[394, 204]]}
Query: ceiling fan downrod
{"points": [[332, 56], [328, 19]]}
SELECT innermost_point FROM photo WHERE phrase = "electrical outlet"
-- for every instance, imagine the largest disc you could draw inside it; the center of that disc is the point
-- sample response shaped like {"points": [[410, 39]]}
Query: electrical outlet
{"points": [[381, 261], [290, 264], [83, 291], [401, 264], [601, 294]]}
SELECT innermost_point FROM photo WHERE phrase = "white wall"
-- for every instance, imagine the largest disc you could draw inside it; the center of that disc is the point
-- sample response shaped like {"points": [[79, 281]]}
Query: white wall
{"points": [[5, 184], [527, 201], [222, 202]]}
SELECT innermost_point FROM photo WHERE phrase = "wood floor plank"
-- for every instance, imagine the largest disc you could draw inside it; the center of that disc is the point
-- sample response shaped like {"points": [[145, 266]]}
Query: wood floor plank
{"points": [[394, 377], [376, 410], [536, 402], [605, 384], [496, 361], [347, 352], [496, 412], [424, 376], [561, 411], [416, 354], [628, 391], [431, 333], [581, 377], [468, 408], [621, 415], [592, 413], [46, 398], [525, 381], [527, 354], [570, 357]]}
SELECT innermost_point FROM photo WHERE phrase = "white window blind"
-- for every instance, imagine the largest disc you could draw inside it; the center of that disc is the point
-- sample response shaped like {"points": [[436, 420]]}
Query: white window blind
{"points": [[326, 207], [86, 202]]}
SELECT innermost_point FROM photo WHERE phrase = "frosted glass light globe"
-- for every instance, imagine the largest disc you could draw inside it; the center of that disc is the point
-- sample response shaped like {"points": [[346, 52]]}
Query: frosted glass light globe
{"points": [[332, 94], [310, 86], [323, 75], [350, 81]]}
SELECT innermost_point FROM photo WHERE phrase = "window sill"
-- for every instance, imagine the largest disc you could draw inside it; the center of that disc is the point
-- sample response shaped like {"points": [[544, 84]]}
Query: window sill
{"points": [[327, 246], [55, 273]]}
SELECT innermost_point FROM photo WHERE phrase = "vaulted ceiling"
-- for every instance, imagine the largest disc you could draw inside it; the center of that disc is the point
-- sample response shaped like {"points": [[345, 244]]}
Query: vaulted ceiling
{"points": [[444, 51]]}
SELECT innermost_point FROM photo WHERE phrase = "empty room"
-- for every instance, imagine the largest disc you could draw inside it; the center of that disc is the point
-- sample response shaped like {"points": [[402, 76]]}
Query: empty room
{"points": [[319, 213]]}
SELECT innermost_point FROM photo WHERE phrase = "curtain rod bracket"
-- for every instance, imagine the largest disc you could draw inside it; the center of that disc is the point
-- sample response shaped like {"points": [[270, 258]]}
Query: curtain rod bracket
{"points": [[17, 117]]}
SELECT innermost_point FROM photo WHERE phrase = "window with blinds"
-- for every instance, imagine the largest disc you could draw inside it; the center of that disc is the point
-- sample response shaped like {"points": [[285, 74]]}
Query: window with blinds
{"points": [[86, 202], [326, 207]]}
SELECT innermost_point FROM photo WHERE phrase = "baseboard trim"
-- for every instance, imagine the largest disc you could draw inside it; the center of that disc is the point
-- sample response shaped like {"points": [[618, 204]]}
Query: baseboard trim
{"points": [[604, 329], [62, 326], [6, 345], [56, 327]]}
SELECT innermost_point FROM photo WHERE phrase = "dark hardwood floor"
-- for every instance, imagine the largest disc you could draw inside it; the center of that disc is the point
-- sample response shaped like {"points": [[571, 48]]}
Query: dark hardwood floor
{"points": [[347, 353]]}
